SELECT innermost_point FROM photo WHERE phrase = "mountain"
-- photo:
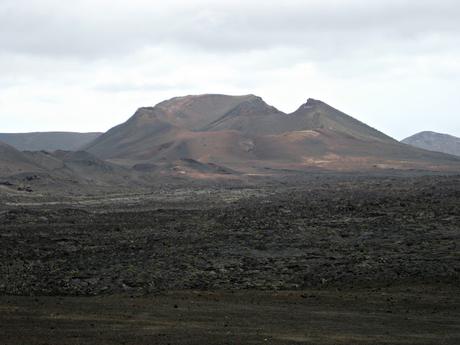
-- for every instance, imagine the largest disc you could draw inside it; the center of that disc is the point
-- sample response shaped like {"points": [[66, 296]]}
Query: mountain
{"points": [[215, 137], [49, 141], [435, 142], [246, 134]]}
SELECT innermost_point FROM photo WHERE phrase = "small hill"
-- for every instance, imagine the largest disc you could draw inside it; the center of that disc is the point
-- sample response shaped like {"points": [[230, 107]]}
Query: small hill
{"points": [[13, 161], [435, 142], [48, 141], [47, 171], [317, 115]]}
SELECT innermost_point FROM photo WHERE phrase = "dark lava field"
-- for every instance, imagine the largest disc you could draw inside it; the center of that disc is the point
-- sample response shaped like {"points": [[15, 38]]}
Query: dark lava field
{"points": [[323, 249]]}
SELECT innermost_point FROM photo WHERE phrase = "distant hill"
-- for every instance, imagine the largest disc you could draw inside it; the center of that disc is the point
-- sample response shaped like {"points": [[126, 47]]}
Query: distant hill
{"points": [[43, 169], [13, 161], [435, 142], [49, 141], [246, 134]]}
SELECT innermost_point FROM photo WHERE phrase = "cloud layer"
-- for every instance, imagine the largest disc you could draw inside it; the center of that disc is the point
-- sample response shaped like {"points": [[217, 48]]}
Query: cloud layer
{"points": [[89, 65]]}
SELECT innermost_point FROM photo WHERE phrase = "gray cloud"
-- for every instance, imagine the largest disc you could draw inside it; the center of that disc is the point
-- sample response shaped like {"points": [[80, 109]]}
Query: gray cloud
{"points": [[324, 29]]}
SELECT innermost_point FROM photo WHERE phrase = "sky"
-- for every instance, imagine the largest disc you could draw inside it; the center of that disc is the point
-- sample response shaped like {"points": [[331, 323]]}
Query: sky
{"points": [[88, 65]]}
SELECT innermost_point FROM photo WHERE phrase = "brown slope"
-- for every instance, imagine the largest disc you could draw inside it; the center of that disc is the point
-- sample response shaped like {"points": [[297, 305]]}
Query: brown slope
{"points": [[244, 132], [251, 117], [134, 138], [255, 117], [329, 149], [152, 129], [315, 115], [197, 112]]}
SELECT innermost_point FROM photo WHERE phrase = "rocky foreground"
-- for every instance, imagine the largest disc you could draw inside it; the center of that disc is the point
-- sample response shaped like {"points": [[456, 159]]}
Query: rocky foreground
{"points": [[351, 232]]}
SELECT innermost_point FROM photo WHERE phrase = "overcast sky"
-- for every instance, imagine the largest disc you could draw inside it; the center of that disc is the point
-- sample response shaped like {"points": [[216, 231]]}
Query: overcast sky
{"points": [[88, 65]]}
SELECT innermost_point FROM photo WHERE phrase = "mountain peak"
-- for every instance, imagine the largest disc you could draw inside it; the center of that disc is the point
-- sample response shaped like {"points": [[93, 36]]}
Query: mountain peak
{"points": [[311, 104], [194, 112], [431, 134], [312, 101], [187, 100], [315, 114]]}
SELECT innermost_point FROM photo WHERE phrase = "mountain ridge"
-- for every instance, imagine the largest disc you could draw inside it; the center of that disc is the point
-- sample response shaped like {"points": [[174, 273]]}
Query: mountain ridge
{"points": [[244, 132], [48, 141], [214, 136]]}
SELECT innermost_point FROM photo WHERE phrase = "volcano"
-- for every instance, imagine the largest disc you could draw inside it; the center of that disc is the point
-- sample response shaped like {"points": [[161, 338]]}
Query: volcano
{"points": [[246, 134]]}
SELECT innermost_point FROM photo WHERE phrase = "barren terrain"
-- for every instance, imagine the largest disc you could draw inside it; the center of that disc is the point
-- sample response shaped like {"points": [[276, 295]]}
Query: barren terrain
{"points": [[327, 260]]}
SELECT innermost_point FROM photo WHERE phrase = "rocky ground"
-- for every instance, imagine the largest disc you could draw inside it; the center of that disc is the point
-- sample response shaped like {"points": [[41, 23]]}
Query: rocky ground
{"points": [[341, 233], [340, 237]]}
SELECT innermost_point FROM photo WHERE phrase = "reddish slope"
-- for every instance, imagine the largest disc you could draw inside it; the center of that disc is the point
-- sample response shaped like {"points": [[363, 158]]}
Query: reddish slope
{"points": [[245, 132]]}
